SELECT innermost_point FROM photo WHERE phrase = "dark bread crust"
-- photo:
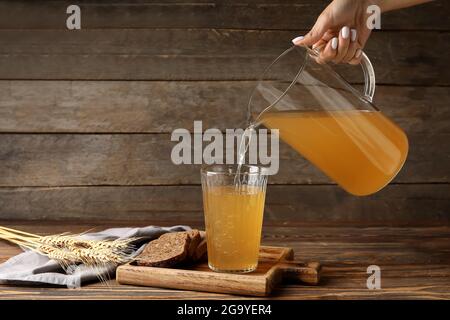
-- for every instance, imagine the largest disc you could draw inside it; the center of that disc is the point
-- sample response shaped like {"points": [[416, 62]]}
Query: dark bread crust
{"points": [[201, 250], [166, 251], [174, 248], [195, 236]]}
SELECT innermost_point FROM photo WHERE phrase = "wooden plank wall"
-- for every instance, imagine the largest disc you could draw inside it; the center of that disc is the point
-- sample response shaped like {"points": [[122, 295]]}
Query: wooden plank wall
{"points": [[86, 115]]}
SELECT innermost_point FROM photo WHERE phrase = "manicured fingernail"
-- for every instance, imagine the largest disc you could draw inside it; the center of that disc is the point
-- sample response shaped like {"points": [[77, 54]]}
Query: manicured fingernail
{"points": [[354, 34], [345, 31], [297, 40], [358, 53], [334, 43]]}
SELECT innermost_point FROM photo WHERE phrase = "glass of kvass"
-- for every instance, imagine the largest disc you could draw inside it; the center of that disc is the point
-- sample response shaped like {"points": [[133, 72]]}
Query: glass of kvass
{"points": [[330, 123], [233, 215]]}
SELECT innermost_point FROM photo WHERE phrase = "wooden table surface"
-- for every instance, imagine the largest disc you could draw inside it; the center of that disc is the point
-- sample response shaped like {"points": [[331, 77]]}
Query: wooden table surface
{"points": [[414, 262]]}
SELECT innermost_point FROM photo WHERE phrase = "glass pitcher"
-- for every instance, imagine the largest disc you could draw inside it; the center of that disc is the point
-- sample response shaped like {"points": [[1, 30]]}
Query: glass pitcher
{"points": [[329, 122]]}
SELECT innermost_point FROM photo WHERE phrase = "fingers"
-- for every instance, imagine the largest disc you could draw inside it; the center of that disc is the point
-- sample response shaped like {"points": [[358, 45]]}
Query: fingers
{"points": [[343, 45], [357, 58], [324, 40], [352, 48], [320, 27], [329, 52], [342, 49], [319, 45]]}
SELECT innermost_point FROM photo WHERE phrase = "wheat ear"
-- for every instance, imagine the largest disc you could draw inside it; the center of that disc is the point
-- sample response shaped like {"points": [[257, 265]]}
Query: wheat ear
{"points": [[70, 249]]}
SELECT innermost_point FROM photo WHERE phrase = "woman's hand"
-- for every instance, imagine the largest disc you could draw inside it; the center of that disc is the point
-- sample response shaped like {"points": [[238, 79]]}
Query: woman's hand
{"points": [[340, 33]]}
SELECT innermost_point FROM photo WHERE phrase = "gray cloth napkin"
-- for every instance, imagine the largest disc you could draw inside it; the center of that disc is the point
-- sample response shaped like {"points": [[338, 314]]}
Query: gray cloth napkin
{"points": [[31, 268]]}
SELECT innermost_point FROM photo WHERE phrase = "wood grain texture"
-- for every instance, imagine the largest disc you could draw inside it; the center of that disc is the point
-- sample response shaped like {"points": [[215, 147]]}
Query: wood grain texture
{"points": [[396, 205], [250, 14], [197, 41], [414, 263], [192, 54], [274, 266], [162, 106], [145, 159]]}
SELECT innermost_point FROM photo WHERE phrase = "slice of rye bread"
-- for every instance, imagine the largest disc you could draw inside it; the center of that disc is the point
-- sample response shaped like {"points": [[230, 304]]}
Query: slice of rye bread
{"points": [[201, 250], [195, 236], [166, 251]]}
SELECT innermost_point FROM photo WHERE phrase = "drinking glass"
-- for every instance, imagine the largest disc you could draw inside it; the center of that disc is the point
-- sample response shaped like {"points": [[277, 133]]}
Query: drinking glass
{"points": [[233, 215]]}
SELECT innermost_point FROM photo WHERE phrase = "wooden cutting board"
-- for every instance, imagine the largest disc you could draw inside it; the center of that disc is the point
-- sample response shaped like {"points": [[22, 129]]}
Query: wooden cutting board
{"points": [[275, 266]]}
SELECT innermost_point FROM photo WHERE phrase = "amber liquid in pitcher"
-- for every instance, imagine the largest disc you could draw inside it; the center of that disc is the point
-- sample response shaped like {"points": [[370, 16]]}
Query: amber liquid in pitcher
{"points": [[362, 151], [233, 218]]}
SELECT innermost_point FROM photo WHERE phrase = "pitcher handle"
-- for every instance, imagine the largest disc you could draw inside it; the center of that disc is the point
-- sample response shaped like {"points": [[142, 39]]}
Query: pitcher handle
{"points": [[369, 77]]}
